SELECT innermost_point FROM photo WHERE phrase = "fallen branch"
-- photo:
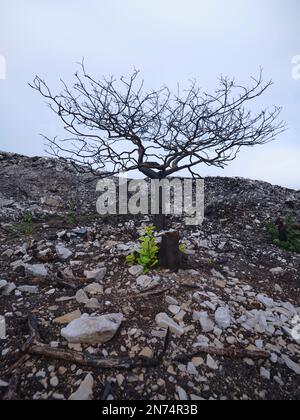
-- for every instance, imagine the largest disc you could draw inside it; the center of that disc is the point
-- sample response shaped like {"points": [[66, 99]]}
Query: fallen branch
{"points": [[35, 346], [152, 293], [17, 364], [64, 284], [227, 352]]}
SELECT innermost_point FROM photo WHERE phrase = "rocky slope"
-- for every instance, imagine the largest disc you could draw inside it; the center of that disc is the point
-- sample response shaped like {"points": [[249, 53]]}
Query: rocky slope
{"points": [[64, 266]]}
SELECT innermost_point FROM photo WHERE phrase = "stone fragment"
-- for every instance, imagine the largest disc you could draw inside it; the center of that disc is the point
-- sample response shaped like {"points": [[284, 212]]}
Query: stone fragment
{"points": [[85, 390], [93, 330], [164, 321]]}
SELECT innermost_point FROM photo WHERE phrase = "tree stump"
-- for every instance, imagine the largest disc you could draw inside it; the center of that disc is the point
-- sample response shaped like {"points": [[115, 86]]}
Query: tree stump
{"points": [[170, 255]]}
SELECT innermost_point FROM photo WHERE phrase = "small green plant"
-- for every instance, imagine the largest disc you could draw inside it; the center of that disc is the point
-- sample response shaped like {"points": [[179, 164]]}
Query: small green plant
{"points": [[131, 259], [289, 231], [71, 218], [182, 248], [25, 226], [147, 253], [27, 217]]}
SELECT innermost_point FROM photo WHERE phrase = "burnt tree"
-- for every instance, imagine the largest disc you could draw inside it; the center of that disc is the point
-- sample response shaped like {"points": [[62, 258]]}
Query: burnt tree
{"points": [[115, 126]]}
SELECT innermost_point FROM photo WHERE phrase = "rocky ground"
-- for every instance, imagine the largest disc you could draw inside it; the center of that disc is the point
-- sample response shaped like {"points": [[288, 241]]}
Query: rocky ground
{"points": [[64, 265]]}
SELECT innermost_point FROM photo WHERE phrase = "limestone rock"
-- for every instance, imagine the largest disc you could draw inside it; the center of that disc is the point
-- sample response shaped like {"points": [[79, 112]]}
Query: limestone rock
{"points": [[291, 365], [211, 363], [3, 284], [32, 290], [207, 324], [164, 321], [144, 281], [136, 270], [98, 274], [36, 270], [63, 252], [92, 330], [94, 289], [81, 297], [66, 319], [85, 390], [223, 317]]}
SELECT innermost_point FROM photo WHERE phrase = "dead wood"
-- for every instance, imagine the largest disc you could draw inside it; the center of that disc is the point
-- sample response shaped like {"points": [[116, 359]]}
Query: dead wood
{"points": [[35, 346], [153, 292], [227, 352], [65, 284]]}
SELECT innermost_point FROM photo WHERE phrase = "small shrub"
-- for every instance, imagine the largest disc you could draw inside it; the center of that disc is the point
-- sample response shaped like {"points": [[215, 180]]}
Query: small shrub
{"points": [[182, 248], [147, 253], [71, 218], [291, 233], [27, 217], [25, 226]]}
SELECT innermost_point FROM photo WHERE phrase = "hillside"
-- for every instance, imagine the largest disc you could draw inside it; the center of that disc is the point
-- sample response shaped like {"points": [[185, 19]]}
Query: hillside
{"points": [[233, 316]]}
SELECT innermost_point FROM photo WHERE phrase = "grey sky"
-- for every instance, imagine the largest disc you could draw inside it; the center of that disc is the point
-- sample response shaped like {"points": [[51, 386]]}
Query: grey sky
{"points": [[170, 41]]}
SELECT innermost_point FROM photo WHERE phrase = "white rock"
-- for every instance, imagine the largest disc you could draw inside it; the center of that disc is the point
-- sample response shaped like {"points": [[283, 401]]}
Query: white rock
{"points": [[98, 274], [259, 344], [85, 391], [3, 284], [211, 363], [3, 384], [54, 381], [265, 374], [136, 270], [274, 358], [93, 303], [291, 365], [191, 369], [265, 300], [174, 309], [94, 289], [223, 317], [92, 330], [16, 265], [59, 397], [36, 270], [63, 252], [277, 271], [171, 301], [144, 281], [6, 291], [202, 340], [81, 297], [32, 290], [181, 393], [164, 321], [198, 297], [8, 253], [207, 324]]}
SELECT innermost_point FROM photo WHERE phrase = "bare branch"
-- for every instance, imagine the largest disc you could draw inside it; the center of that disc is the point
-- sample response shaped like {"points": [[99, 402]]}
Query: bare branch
{"points": [[114, 126]]}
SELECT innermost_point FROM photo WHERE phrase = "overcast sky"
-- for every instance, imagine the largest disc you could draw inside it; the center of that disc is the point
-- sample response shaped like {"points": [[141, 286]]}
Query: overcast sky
{"points": [[170, 41]]}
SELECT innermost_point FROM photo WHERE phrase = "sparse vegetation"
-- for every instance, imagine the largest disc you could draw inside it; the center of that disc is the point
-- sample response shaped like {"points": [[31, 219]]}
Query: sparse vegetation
{"points": [[147, 253], [25, 226], [182, 247], [71, 218], [285, 234]]}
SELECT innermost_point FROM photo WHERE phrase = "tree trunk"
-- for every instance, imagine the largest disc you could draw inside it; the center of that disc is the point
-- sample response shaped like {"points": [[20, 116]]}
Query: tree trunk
{"points": [[169, 254], [160, 218], [160, 222]]}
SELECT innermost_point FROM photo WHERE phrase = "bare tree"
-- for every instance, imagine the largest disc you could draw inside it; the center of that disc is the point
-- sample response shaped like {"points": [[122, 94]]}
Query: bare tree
{"points": [[115, 126]]}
